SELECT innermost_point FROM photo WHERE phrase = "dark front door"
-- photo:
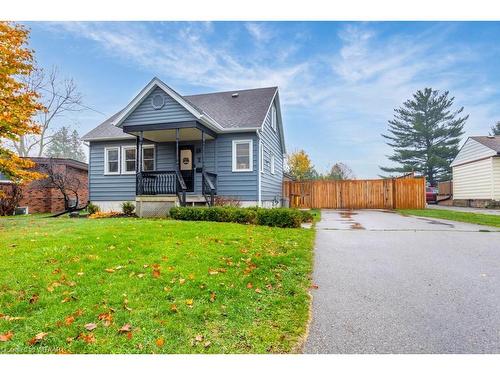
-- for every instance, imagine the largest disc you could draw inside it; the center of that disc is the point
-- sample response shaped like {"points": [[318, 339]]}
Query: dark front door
{"points": [[186, 157]]}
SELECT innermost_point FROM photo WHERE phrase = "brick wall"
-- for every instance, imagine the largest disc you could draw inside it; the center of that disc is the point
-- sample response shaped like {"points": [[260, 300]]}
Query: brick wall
{"points": [[41, 199]]}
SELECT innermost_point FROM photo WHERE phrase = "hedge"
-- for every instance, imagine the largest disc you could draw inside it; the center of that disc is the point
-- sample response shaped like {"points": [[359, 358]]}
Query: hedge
{"points": [[273, 217]]}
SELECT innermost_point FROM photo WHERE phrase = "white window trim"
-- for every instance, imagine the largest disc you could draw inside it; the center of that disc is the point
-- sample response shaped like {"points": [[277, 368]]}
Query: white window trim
{"points": [[261, 157], [124, 161], [154, 156], [274, 117], [250, 149], [273, 171], [106, 164]]}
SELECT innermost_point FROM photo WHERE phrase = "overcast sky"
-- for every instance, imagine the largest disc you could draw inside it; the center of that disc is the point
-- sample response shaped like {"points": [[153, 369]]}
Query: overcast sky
{"points": [[339, 82]]}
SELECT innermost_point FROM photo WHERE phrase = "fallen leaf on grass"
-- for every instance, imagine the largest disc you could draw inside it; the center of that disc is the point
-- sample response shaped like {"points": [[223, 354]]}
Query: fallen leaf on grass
{"points": [[206, 344], [189, 302], [182, 281], [88, 338], [125, 328], [173, 308], [34, 299], [257, 290], [160, 342], [69, 320], [156, 271], [314, 286], [212, 296], [107, 318], [250, 286], [6, 336], [109, 270], [38, 338], [90, 326], [199, 338]]}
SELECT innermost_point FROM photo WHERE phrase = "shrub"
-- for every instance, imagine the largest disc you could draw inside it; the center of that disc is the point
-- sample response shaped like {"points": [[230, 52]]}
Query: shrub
{"points": [[279, 217], [307, 217], [128, 208], [93, 208], [274, 217]]}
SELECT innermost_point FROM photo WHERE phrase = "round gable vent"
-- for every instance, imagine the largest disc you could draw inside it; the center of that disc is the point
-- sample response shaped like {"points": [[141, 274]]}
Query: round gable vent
{"points": [[158, 101]]}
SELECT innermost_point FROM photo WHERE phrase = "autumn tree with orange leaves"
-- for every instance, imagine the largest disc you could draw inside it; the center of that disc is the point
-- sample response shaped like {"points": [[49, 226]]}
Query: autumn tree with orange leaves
{"points": [[18, 104]]}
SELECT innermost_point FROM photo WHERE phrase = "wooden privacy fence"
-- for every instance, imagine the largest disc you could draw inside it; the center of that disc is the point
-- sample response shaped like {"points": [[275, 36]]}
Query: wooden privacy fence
{"points": [[407, 192]]}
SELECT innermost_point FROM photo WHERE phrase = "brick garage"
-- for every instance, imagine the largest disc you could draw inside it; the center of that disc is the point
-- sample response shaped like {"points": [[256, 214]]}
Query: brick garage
{"points": [[41, 199]]}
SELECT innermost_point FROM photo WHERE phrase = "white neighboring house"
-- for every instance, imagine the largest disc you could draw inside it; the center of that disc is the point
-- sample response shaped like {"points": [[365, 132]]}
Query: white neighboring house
{"points": [[476, 172]]}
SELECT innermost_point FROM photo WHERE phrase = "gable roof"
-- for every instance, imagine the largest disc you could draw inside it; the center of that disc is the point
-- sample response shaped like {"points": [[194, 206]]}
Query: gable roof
{"points": [[221, 111], [246, 109], [492, 142]]}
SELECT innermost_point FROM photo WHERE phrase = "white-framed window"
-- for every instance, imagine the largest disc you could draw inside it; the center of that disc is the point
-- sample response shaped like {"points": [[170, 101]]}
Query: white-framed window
{"points": [[261, 157], [128, 159], [274, 117], [112, 160], [148, 158], [242, 155], [272, 163]]}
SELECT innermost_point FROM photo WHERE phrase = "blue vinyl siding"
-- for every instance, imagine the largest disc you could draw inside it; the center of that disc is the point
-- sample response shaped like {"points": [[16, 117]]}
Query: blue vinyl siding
{"points": [[145, 114], [218, 159], [271, 184], [106, 187], [239, 185]]}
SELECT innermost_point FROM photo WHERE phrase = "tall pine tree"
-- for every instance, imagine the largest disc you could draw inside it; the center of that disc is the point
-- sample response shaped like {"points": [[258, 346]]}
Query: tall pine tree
{"points": [[425, 133], [66, 145], [495, 129]]}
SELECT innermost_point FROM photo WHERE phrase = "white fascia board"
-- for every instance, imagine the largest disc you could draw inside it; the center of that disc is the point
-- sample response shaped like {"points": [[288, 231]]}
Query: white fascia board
{"points": [[280, 120]]}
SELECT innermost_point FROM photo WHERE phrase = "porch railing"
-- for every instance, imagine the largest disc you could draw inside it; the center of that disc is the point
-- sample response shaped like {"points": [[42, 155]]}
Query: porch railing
{"points": [[209, 187], [161, 182]]}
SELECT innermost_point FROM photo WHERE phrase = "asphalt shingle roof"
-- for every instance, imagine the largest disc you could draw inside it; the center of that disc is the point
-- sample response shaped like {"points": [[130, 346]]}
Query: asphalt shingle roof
{"points": [[492, 142], [246, 110]]}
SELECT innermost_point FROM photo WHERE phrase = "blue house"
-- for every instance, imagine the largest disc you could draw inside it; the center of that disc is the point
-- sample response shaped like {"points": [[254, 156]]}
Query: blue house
{"points": [[194, 149]]}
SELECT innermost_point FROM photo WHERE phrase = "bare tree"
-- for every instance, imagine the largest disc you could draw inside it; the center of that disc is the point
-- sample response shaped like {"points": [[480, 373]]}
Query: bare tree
{"points": [[340, 171], [59, 96], [10, 196], [60, 178]]}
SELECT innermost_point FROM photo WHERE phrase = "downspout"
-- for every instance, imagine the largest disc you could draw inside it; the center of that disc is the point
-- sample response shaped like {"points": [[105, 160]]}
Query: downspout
{"points": [[259, 182]]}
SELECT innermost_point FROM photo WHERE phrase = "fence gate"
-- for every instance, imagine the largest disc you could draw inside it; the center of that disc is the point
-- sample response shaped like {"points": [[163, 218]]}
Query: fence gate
{"points": [[407, 192]]}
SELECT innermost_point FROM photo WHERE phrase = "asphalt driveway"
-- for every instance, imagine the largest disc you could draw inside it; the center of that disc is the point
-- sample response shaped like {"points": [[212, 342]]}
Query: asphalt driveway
{"points": [[394, 284]]}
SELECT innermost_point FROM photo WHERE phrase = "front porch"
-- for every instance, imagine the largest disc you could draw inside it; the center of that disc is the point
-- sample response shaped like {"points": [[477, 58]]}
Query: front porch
{"points": [[178, 172]]}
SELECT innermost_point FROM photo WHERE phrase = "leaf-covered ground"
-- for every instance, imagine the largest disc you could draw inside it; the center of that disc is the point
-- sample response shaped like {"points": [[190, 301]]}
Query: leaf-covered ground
{"points": [[151, 286]]}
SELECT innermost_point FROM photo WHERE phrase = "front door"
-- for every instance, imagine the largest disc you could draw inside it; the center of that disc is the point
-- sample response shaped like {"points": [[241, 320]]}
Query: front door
{"points": [[186, 166]]}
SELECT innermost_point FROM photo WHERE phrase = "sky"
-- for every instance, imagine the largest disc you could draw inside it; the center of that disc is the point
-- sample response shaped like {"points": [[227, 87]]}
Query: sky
{"points": [[339, 82]]}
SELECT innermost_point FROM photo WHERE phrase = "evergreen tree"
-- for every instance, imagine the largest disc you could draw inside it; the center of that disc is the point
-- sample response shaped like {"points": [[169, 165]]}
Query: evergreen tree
{"points": [[66, 145], [425, 133], [495, 129]]}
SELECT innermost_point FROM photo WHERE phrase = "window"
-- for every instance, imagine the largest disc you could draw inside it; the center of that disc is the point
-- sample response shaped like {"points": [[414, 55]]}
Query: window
{"points": [[148, 158], [261, 157], [129, 159], [112, 160], [242, 155], [274, 117], [272, 163]]}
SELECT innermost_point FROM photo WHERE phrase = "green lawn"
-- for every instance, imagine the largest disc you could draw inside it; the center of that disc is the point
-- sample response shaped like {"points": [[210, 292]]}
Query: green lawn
{"points": [[182, 287], [466, 217]]}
